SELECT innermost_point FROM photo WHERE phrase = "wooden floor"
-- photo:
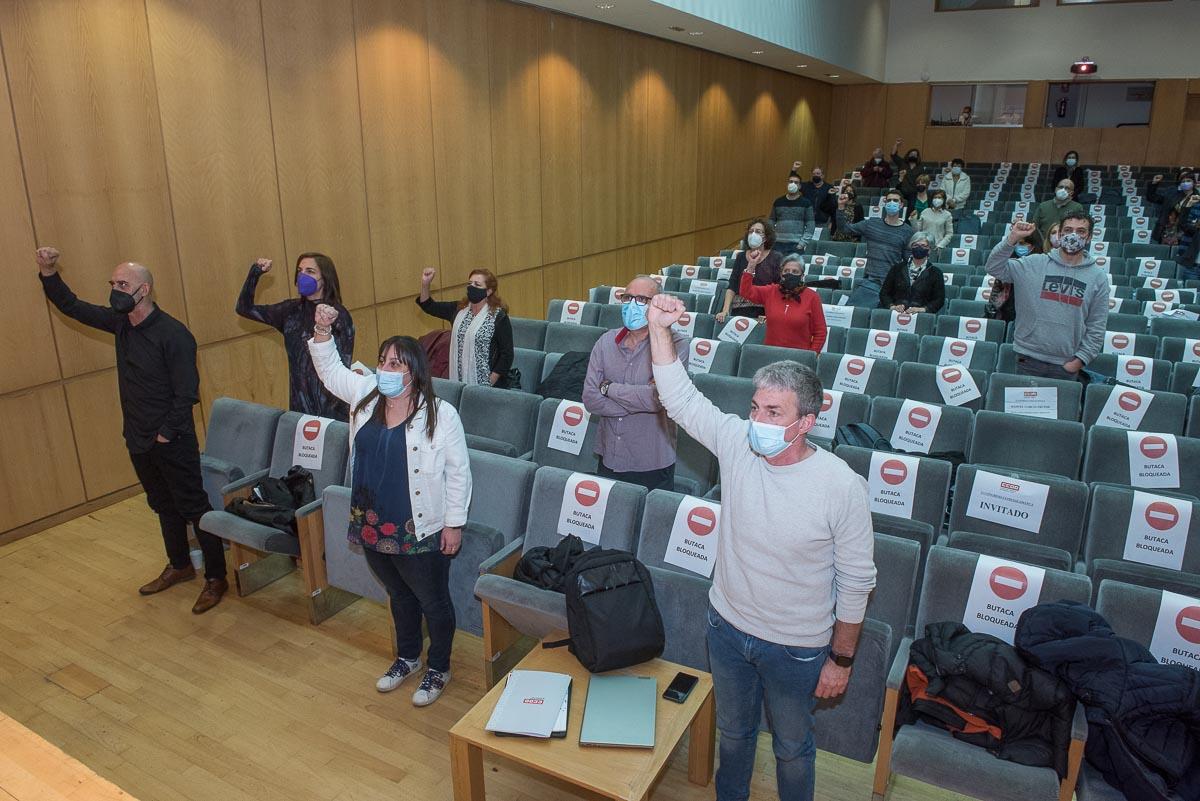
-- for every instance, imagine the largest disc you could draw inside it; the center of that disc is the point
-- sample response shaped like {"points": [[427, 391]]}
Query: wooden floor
{"points": [[248, 702]]}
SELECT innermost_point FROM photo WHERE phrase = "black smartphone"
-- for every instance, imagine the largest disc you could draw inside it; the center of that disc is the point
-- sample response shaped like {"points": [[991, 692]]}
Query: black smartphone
{"points": [[680, 687]]}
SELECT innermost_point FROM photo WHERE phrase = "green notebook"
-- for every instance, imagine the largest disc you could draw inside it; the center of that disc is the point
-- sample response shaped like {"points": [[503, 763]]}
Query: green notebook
{"points": [[620, 711]]}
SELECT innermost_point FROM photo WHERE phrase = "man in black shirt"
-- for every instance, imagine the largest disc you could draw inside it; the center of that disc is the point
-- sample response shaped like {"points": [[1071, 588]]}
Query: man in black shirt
{"points": [[158, 384], [792, 216], [819, 194]]}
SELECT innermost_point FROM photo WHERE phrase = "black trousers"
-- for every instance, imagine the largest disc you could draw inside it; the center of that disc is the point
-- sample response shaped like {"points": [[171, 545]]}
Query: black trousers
{"points": [[170, 475], [650, 479], [417, 586]]}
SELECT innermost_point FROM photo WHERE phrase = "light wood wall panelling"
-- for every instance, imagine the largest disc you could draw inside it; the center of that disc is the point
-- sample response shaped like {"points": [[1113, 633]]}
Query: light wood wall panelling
{"points": [[907, 116], [600, 100], [1030, 144], [753, 194], [986, 145], [27, 353], [397, 129], [670, 146], [676, 250], [462, 140], [366, 336], [633, 197], [1123, 145], [560, 131], [600, 269], [768, 119], [83, 96], [402, 318], [36, 423], [1189, 142], [1166, 122], [943, 143], [1084, 140], [836, 138], [515, 57], [1035, 103], [251, 368], [211, 78], [563, 281], [95, 408], [864, 128], [523, 292], [312, 76], [717, 146]]}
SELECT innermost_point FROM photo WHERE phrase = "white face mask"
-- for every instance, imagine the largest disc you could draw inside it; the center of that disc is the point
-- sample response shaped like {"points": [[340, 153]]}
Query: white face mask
{"points": [[956, 170], [937, 202], [1061, 193], [754, 239], [793, 188]]}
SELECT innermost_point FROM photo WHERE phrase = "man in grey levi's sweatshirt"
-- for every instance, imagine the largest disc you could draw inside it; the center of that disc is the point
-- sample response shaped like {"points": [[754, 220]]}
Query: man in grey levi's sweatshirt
{"points": [[1061, 298], [795, 561]]}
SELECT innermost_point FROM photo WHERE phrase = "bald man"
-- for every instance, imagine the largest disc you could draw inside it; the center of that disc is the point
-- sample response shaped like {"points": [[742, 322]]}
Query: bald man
{"points": [[159, 384]]}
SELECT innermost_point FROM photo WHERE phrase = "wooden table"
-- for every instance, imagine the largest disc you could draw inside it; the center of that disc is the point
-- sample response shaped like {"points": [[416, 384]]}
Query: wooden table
{"points": [[618, 773]]}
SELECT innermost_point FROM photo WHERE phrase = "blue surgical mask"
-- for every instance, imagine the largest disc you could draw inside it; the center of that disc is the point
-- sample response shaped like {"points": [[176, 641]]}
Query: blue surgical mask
{"points": [[633, 315], [1072, 162], [1061, 193], [1021, 250], [1185, 186], [306, 285], [892, 208], [767, 439], [391, 384], [754, 239], [956, 170]]}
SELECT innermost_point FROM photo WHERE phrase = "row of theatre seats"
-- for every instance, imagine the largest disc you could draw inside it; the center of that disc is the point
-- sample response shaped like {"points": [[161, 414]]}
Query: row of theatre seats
{"points": [[926, 571]]}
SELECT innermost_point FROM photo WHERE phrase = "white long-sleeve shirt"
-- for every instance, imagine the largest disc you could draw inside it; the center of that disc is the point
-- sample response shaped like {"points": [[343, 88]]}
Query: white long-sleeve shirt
{"points": [[796, 543]]}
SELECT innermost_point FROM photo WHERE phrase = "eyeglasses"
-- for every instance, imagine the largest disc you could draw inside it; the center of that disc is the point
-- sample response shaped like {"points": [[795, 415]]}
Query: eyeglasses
{"points": [[640, 300]]}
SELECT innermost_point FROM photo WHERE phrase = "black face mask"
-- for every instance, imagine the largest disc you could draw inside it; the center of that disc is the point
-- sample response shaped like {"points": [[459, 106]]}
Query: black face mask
{"points": [[790, 282], [476, 294], [121, 302]]}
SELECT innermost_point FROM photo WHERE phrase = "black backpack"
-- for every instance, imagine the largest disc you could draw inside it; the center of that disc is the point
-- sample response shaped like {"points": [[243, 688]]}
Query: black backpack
{"points": [[612, 617], [273, 501], [862, 435], [547, 568]]}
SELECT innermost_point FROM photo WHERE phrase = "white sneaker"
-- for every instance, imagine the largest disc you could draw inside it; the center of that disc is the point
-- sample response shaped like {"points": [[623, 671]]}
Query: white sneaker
{"points": [[431, 687], [400, 670]]}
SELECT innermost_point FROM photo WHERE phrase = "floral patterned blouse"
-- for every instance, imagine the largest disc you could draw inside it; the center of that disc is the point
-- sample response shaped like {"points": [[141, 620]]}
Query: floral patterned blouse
{"points": [[380, 509]]}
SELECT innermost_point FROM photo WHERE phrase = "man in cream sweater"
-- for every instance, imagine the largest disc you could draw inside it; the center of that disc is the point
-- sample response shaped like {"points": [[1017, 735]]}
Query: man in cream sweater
{"points": [[794, 568]]}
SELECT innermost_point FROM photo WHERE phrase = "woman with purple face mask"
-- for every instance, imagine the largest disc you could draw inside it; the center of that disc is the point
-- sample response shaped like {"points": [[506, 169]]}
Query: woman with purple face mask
{"points": [[316, 281]]}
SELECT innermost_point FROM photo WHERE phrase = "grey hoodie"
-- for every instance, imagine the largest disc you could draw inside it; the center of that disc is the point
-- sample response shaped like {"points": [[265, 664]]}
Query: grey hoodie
{"points": [[1061, 310]]}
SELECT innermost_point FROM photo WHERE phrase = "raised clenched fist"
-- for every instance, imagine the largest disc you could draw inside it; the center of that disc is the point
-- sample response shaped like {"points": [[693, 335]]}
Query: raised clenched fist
{"points": [[427, 275], [47, 260], [1019, 231], [263, 265], [325, 314], [664, 310]]}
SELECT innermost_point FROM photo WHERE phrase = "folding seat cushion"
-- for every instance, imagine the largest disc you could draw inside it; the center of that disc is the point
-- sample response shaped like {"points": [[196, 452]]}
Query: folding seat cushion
{"points": [[1008, 393], [1147, 537], [1144, 460], [940, 350], [1027, 443], [239, 440], [499, 420], [1131, 409]]}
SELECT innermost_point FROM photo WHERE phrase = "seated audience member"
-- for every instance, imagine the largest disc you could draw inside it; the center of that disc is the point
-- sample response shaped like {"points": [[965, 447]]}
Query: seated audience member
{"points": [[1063, 299], [957, 186], [1188, 251], [776, 634], [876, 172], [887, 240], [1050, 241], [1058, 207], [913, 284], [907, 170], [1171, 231], [795, 317], [920, 199], [1171, 198], [818, 192], [316, 282], [410, 489], [937, 222], [759, 240], [966, 116], [1070, 169], [792, 214], [854, 212], [635, 439], [481, 338], [1002, 305]]}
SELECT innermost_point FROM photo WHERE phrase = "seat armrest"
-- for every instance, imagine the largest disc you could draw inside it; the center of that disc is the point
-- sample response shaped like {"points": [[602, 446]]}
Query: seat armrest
{"points": [[1079, 724], [1081, 567], [309, 508], [244, 483], [526, 457], [218, 465], [895, 677], [504, 561]]}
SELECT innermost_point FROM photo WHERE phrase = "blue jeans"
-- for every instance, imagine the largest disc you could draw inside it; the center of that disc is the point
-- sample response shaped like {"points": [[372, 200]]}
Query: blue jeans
{"points": [[866, 293], [745, 671]]}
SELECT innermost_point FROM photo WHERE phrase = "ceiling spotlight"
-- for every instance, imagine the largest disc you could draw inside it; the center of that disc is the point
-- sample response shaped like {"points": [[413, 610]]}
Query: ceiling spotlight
{"points": [[676, 28], [1084, 66], [801, 66], [757, 52], [832, 75], [695, 33], [604, 6]]}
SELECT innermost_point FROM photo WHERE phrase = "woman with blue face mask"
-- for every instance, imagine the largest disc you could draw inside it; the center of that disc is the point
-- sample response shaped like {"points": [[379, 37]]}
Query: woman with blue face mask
{"points": [[410, 490], [1072, 169], [316, 281]]}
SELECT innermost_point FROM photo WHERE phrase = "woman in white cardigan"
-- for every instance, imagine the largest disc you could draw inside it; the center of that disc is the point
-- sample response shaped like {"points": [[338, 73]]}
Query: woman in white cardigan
{"points": [[410, 489], [936, 222]]}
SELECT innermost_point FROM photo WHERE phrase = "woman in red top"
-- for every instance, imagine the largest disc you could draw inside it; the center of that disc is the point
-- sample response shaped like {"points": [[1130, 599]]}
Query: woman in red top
{"points": [[795, 318]]}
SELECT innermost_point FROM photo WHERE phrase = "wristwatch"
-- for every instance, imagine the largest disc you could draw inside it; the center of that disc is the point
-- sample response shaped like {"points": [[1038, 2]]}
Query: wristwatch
{"points": [[604, 388], [841, 661]]}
